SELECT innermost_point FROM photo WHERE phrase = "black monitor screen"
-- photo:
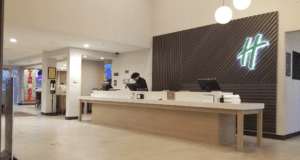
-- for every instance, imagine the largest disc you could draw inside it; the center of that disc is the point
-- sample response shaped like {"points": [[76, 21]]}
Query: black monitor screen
{"points": [[296, 65], [104, 84], [132, 86], [209, 85]]}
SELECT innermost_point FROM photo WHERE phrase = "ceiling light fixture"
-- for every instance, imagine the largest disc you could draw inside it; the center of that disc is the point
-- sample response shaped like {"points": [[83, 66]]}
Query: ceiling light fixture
{"points": [[223, 14], [86, 45], [241, 4], [13, 40], [102, 58], [65, 65], [84, 56]]}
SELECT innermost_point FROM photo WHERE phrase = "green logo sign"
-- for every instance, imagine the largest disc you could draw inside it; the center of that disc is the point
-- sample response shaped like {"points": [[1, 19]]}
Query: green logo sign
{"points": [[252, 51]]}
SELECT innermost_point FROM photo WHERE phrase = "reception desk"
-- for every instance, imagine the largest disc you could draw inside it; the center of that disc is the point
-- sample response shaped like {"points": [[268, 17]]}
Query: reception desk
{"points": [[185, 117]]}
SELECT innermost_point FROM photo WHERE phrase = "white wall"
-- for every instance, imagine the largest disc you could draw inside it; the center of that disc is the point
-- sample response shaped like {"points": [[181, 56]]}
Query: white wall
{"points": [[292, 92], [139, 61], [122, 21], [176, 15], [90, 76]]}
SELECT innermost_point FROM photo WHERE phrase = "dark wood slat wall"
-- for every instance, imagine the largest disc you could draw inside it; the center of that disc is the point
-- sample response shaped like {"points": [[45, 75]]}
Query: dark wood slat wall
{"points": [[167, 62], [180, 58]]}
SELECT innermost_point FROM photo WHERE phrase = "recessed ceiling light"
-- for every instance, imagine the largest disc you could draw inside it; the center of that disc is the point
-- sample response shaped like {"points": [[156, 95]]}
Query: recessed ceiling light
{"points": [[84, 56], [65, 65], [86, 45], [102, 58], [13, 40]]}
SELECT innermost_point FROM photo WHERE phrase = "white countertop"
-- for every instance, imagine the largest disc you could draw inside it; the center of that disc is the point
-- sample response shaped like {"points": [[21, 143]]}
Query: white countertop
{"points": [[231, 106]]}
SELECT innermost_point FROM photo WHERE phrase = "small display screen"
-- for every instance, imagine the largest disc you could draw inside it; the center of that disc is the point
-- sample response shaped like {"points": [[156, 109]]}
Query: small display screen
{"points": [[107, 68], [39, 75]]}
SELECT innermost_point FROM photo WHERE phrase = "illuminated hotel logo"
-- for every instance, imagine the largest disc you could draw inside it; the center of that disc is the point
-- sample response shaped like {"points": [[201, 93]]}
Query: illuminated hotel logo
{"points": [[252, 50]]}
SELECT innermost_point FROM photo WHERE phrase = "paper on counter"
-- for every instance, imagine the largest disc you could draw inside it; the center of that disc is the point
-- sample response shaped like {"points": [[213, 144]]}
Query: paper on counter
{"points": [[228, 96], [228, 100], [231, 96]]}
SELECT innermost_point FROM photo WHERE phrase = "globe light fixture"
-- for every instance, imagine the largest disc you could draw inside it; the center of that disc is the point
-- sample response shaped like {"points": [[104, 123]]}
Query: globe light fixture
{"points": [[241, 4], [223, 15]]}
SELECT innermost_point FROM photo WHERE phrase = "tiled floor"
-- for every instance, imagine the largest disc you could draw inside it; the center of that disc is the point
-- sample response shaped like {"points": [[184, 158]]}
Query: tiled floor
{"points": [[54, 138]]}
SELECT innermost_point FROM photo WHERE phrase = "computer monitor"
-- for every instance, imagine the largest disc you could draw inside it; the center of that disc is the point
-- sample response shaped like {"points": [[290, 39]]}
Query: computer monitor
{"points": [[209, 85], [132, 86], [104, 84]]}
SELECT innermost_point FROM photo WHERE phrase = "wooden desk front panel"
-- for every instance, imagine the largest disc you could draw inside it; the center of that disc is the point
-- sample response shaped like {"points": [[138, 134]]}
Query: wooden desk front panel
{"points": [[197, 126]]}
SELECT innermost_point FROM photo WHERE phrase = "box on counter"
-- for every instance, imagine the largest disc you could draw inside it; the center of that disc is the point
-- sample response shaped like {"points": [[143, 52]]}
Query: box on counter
{"points": [[170, 95]]}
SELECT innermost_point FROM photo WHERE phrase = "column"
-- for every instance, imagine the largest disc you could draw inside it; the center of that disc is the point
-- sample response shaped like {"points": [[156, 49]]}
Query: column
{"points": [[46, 108], [73, 84], [20, 86]]}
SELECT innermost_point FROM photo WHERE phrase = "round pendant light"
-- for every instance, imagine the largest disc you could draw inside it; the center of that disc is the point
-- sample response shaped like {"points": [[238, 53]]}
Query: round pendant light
{"points": [[241, 4], [223, 15]]}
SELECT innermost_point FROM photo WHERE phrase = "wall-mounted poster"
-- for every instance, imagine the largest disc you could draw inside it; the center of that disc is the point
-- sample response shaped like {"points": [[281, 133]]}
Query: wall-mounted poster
{"points": [[51, 73], [29, 85], [115, 82], [116, 74]]}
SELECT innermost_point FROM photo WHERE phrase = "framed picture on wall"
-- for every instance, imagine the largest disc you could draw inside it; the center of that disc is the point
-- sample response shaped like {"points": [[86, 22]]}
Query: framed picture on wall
{"points": [[115, 82], [51, 73]]}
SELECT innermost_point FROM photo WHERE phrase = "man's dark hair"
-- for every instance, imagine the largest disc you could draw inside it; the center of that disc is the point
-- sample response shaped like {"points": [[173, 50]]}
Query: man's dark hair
{"points": [[108, 80], [134, 75]]}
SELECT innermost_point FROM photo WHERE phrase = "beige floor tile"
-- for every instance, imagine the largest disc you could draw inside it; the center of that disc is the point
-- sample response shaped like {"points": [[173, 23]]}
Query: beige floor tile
{"points": [[54, 138]]}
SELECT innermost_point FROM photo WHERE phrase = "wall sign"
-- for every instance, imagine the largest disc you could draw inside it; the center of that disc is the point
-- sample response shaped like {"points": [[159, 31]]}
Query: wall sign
{"points": [[288, 64], [126, 81], [251, 50], [51, 73], [29, 76]]}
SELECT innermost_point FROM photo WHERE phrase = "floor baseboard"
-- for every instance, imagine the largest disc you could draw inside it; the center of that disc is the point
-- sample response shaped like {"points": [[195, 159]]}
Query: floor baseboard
{"points": [[273, 136]]}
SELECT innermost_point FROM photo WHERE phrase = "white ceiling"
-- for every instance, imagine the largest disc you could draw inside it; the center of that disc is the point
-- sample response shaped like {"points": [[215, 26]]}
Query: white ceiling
{"points": [[31, 41], [60, 65]]}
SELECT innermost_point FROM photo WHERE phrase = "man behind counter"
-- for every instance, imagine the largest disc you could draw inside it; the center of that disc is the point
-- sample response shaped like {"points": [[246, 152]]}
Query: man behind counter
{"points": [[141, 82]]}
